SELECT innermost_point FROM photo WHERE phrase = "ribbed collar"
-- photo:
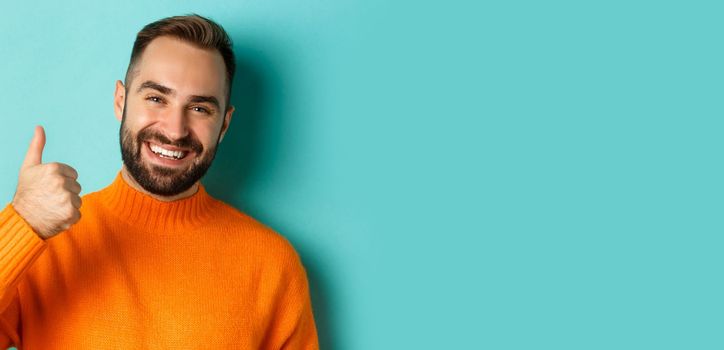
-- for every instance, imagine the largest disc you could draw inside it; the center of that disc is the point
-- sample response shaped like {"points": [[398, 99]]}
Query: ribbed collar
{"points": [[150, 214]]}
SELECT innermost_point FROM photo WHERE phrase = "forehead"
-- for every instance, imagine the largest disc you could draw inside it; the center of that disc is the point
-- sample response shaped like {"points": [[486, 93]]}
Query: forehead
{"points": [[181, 66]]}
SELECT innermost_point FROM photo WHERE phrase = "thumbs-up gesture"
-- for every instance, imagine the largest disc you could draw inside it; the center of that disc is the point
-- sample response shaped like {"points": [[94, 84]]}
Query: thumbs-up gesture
{"points": [[47, 196]]}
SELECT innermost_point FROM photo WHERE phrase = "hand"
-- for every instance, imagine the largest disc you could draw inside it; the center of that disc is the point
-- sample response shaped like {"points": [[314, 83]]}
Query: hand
{"points": [[47, 196]]}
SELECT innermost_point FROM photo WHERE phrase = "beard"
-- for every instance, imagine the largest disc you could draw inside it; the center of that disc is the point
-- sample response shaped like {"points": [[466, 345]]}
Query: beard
{"points": [[160, 180]]}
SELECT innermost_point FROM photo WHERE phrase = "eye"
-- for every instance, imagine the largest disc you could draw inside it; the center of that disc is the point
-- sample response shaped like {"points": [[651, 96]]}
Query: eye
{"points": [[201, 109], [155, 99]]}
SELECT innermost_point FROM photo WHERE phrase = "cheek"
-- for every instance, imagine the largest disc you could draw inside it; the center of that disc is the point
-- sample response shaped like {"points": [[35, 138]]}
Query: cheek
{"points": [[139, 117], [207, 133]]}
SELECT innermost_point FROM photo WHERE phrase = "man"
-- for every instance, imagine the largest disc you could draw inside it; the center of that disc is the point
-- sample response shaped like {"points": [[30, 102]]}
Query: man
{"points": [[152, 261]]}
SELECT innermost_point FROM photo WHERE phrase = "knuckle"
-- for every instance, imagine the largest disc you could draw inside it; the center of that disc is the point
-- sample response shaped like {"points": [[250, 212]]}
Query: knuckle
{"points": [[69, 211], [57, 181], [53, 167]]}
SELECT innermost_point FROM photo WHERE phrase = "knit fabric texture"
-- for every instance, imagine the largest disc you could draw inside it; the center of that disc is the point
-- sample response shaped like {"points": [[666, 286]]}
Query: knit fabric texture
{"points": [[139, 273]]}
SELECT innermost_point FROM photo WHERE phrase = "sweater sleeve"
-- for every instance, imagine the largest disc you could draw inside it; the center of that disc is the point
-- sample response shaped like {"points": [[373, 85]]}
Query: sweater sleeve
{"points": [[297, 312], [20, 246]]}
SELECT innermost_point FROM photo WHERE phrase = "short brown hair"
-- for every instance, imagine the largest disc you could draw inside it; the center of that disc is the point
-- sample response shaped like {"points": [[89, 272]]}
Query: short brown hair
{"points": [[194, 29]]}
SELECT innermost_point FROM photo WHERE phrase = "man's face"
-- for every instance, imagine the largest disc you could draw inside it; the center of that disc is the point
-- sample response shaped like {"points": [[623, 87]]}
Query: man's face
{"points": [[172, 118]]}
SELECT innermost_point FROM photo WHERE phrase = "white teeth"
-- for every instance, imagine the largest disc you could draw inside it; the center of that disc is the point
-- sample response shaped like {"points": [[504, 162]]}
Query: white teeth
{"points": [[168, 153]]}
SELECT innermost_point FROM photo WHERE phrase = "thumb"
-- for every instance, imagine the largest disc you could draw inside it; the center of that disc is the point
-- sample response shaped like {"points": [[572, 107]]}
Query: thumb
{"points": [[34, 156]]}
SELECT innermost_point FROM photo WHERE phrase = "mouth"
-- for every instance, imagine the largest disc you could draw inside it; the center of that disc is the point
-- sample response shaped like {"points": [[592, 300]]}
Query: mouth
{"points": [[168, 156]]}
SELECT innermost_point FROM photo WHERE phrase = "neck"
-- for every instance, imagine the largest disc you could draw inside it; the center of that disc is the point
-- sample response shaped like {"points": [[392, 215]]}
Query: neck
{"points": [[132, 182], [125, 201]]}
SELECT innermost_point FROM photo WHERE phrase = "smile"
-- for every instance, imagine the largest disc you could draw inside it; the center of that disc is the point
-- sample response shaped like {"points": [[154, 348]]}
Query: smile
{"points": [[167, 155]]}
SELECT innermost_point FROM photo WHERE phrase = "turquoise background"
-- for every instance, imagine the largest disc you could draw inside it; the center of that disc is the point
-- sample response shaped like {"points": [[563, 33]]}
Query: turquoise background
{"points": [[477, 175]]}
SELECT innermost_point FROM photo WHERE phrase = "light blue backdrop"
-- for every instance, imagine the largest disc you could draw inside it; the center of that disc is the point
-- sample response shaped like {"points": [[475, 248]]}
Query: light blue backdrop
{"points": [[527, 175]]}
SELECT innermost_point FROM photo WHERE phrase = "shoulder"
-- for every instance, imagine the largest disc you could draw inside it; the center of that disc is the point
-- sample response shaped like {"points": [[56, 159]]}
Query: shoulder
{"points": [[267, 241]]}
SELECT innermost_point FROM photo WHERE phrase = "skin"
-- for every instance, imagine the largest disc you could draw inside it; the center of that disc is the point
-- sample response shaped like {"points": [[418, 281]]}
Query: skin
{"points": [[188, 71], [47, 196]]}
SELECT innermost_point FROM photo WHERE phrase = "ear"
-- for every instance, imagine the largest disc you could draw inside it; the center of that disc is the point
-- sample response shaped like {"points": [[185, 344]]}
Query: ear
{"points": [[119, 100], [227, 121]]}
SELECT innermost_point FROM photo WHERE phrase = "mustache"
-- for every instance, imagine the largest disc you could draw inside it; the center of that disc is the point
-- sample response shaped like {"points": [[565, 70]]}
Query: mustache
{"points": [[188, 142]]}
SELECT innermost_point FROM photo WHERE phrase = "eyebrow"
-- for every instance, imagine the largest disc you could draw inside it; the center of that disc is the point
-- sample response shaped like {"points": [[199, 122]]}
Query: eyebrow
{"points": [[149, 84]]}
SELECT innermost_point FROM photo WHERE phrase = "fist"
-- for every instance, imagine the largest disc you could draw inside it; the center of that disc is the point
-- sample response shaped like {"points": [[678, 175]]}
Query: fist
{"points": [[47, 196]]}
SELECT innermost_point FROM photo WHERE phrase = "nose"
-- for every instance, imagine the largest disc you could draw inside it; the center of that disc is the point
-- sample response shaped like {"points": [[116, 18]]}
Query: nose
{"points": [[175, 124]]}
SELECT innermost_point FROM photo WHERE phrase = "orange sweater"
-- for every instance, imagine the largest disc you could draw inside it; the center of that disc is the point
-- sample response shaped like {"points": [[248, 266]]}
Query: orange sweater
{"points": [[138, 273]]}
